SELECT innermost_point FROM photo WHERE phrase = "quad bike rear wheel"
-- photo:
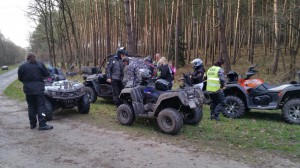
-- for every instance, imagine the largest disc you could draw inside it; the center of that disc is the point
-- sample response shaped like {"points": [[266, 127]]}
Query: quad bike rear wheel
{"points": [[84, 105], [193, 117], [49, 110], [291, 111], [91, 94], [170, 121], [125, 114], [235, 107]]}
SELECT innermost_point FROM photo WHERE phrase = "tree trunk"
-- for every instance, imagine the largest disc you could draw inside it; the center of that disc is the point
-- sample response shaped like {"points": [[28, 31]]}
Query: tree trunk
{"points": [[222, 38], [276, 42]]}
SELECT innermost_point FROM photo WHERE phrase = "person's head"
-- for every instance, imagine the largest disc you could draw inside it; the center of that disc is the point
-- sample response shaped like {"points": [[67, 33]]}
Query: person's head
{"points": [[171, 63], [197, 63], [163, 61], [219, 63], [125, 60], [122, 52], [149, 59], [157, 56], [31, 57]]}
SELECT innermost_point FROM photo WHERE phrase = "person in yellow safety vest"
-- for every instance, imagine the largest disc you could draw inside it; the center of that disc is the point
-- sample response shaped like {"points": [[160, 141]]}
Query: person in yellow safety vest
{"points": [[215, 85]]}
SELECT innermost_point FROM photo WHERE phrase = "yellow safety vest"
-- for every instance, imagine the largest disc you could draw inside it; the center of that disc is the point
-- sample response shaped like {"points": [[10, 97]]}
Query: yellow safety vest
{"points": [[213, 81]]}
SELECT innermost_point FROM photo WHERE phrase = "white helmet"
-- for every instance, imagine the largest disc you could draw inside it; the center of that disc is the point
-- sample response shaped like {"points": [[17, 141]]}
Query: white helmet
{"points": [[197, 62]]}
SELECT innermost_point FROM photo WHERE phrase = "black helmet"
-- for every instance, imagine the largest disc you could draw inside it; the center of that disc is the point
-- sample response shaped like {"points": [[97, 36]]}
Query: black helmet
{"points": [[232, 76], [149, 59], [122, 50], [162, 85]]}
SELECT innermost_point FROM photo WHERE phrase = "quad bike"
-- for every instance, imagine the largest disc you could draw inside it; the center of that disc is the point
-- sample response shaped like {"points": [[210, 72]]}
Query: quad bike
{"points": [[187, 82], [245, 93], [171, 108], [4, 67], [61, 93], [96, 84]]}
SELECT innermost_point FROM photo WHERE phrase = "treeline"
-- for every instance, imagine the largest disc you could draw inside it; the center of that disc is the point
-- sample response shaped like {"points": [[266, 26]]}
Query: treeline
{"points": [[84, 31], [9, 52]]}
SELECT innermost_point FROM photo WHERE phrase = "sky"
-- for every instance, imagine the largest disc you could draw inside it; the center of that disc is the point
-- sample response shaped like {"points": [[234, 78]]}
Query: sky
{"points": [[14, 24]]}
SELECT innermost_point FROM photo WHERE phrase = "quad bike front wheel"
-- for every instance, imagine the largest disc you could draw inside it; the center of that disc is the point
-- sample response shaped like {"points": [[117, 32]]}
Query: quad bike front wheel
{"points": [[49, 110], [170, 121], [193, 117], [91, 94], [291, 111], [125, 114], [84, 105], [235, 107]]}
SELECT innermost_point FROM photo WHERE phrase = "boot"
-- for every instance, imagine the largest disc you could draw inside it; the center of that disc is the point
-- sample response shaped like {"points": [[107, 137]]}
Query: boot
{"points": [[46, 127], [33, 126]]}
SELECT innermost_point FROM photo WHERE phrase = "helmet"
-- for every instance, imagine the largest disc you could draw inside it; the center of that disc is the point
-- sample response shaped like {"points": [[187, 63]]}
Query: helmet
{"points": [[197, 62], [144, 74], [162, 85], [122, 50], [149, 58], [125, 59], [232, 76]]}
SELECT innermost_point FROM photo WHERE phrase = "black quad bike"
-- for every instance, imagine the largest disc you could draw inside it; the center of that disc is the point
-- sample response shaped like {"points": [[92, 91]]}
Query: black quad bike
{"points": [[170, 108], [245, 93], [61, 93], [96, 84]]}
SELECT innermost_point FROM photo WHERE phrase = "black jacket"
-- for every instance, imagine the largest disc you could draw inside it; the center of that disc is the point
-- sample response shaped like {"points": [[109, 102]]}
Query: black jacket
{"points": [[32, 76], [115, 68], [197, 75], [165, 73]]}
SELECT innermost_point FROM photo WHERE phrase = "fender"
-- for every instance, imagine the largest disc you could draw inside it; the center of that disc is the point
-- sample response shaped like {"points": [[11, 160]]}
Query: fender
{"points": [[169, 95], [230, 87], [291, 91]]}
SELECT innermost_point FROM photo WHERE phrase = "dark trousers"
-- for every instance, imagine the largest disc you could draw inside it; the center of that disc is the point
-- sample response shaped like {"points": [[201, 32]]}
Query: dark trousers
{"points": [[36, 107], [216, 99], [117, 86]]}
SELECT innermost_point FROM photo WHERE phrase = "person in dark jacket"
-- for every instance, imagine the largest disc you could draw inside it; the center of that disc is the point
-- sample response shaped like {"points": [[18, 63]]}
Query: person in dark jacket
{"points": [[32, 73], [165, 71], [115, 73], [198, 73], [149, 64]]}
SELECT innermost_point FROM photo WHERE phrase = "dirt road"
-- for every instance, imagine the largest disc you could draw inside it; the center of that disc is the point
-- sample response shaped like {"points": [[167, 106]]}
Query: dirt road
{"points": [[75, 144]]}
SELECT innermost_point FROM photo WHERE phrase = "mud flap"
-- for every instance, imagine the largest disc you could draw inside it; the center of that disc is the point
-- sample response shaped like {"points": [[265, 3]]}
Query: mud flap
{"points": [[137, 101]]}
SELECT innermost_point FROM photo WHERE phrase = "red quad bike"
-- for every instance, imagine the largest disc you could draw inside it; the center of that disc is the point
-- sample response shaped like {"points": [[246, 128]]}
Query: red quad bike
{"points": [[245, 93]]}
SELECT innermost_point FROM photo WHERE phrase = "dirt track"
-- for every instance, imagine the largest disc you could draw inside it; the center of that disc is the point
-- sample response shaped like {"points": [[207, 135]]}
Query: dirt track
{"points": [[76, 144]]}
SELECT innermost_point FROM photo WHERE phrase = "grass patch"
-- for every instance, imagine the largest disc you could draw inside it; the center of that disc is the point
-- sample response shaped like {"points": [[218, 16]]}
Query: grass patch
{"points": [[10, 67]]}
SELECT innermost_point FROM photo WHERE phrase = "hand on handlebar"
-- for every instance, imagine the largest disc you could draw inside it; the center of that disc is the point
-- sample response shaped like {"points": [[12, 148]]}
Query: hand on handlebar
{"points": [[108, 80]]}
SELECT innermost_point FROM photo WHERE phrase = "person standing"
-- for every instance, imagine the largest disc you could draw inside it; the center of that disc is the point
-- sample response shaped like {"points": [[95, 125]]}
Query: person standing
{"points": [[215, 85], [32, 73], [115, 73], [133, 70]]}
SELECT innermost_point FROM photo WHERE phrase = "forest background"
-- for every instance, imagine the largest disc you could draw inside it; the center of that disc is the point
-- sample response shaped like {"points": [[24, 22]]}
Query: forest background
{"points": [[241, 32]]}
